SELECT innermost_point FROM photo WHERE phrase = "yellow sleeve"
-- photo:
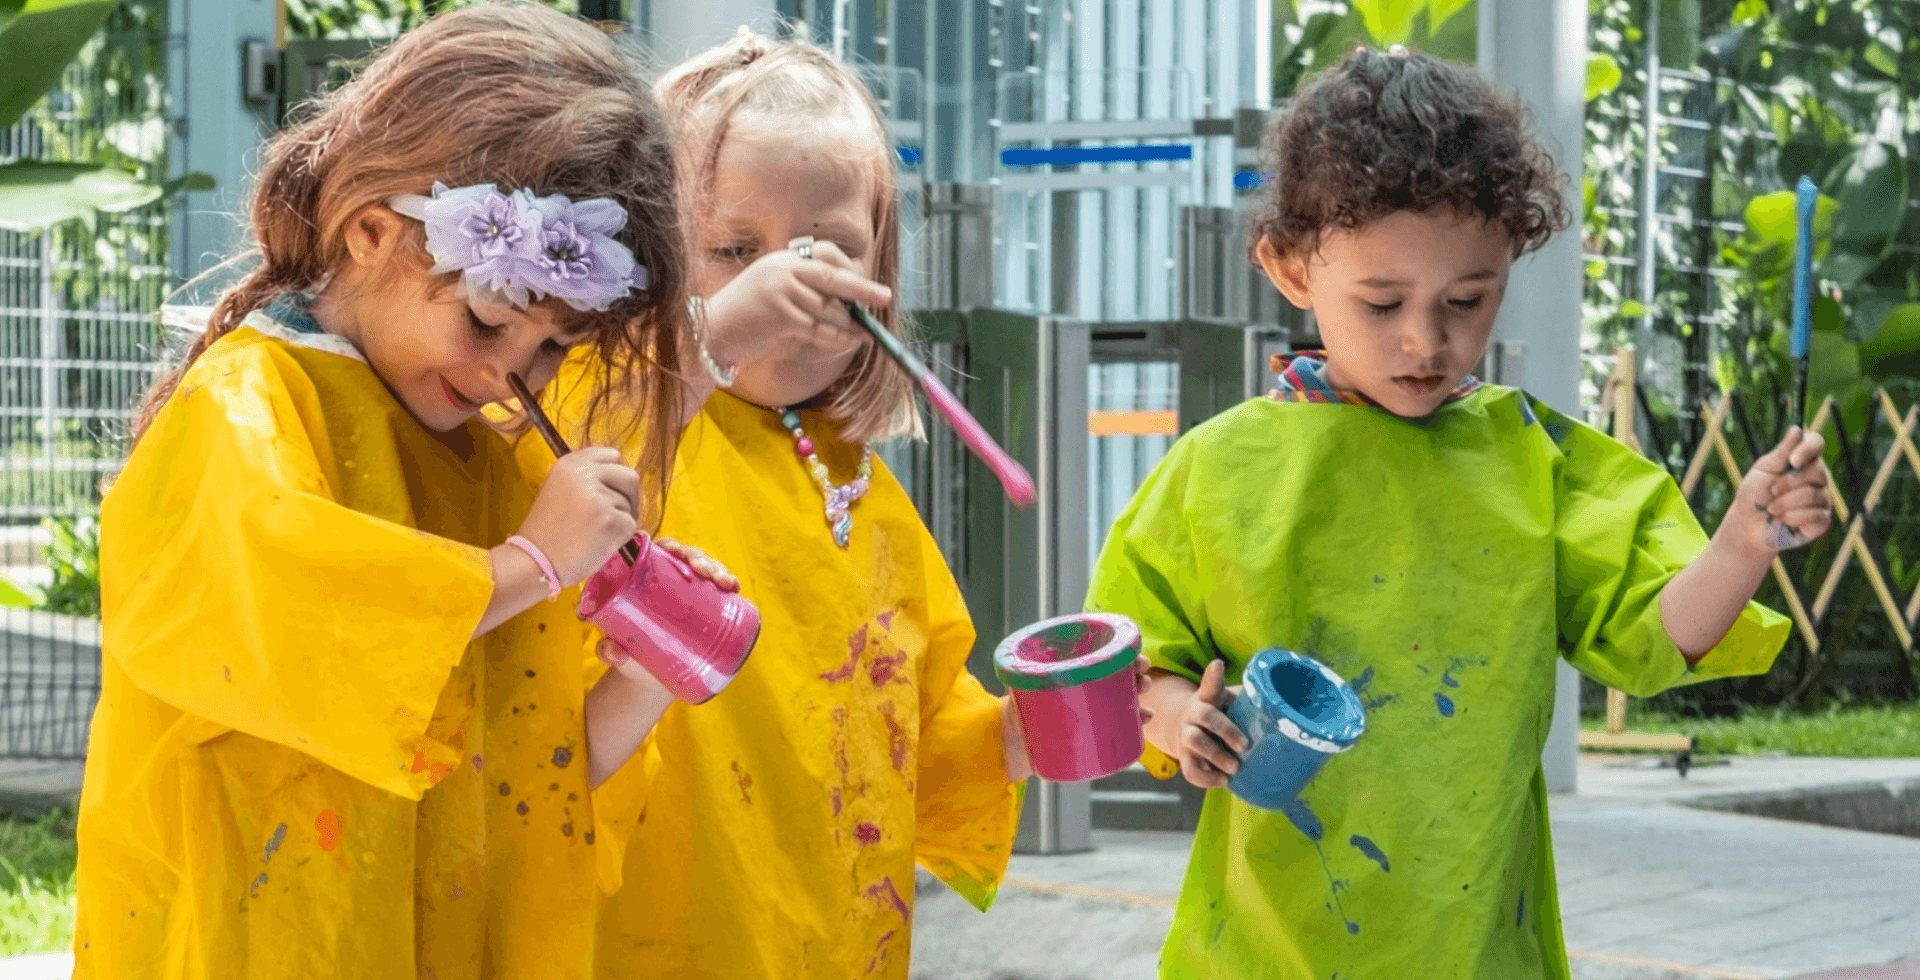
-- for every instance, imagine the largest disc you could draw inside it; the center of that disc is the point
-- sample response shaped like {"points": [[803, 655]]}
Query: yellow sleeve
{"points": [[236, 588], [620, 803], [965, 810], [1622, 532]]}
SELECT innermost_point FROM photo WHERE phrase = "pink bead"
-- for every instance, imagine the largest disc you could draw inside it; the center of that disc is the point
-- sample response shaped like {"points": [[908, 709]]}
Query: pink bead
{"points": [[804, 446]]}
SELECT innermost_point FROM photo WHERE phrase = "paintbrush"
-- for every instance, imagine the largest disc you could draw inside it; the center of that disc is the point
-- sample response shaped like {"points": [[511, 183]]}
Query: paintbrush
{"points": [[1013, 477], [631, 550], [1806, 196]]}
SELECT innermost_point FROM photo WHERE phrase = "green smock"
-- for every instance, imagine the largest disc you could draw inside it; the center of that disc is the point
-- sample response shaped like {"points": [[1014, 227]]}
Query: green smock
{"points": [[1441, 565]]}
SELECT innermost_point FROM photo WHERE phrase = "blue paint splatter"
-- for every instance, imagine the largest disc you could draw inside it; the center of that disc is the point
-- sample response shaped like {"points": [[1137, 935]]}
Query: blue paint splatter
{"points": [[1353, 928], [273, 843], [1305, 819], [1521, 916], [1444, 703], [1447, 679], [1367, 847], [1360, 683]]}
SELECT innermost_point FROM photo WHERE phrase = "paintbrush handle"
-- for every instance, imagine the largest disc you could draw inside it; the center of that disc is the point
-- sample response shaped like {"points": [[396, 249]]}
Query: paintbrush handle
{"points": [[629, 551], [1013, 477], [1806, 196]]}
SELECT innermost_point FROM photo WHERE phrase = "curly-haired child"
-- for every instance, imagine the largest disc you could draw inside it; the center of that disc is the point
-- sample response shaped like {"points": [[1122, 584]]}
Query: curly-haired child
{"points": [[1438, 542]]}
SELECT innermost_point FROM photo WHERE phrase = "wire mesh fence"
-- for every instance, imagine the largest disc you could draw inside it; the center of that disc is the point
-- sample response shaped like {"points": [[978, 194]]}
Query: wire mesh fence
{"points": [[77, 337]]}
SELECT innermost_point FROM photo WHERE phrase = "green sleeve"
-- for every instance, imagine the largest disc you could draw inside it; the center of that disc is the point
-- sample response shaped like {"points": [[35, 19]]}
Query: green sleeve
{"points": [[1621, 533], [1147, 570]]}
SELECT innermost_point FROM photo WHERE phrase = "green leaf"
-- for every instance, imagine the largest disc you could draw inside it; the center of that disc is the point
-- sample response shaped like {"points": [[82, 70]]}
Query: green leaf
{"points": [[1895, 349], [1833, 363], [1441, 11], [34, 195], [1285, 12], [1847, 268], [14, 597], [1771, 218], [1749, 11], [36, 44], [1882, 60], [1633, 308], [1873, 197], [1603, 75], [1389, 21], [1827, 316]]}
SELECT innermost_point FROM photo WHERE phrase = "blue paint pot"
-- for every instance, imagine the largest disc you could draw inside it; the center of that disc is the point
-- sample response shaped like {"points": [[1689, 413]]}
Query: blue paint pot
{"points": [[1297, 714]]}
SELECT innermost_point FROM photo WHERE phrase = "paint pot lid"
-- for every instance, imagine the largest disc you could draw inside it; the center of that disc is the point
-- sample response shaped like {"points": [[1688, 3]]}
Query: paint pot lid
{"points": [[1330, 716], [1067, 651]]}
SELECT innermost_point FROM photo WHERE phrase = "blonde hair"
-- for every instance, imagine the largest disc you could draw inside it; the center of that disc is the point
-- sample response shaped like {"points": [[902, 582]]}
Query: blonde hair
{"points": [[796, 81], [520, 96]]}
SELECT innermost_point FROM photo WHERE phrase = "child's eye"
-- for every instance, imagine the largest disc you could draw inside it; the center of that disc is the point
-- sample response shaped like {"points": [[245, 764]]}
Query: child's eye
{"points": [[1383, 310], [483, 329], [553, 346], [1466, 305], [732, 253]]}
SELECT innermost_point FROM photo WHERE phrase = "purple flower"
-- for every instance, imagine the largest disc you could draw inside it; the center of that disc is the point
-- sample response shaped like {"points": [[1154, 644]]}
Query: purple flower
{"points": [[526, 248]]}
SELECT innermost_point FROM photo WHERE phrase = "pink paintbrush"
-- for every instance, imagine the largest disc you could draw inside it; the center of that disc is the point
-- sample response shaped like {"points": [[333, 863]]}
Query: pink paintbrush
{"points": [[1013, 476]]}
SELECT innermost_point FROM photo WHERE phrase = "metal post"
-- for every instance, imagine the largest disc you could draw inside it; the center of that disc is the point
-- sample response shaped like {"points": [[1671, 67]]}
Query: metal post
{"points": [[214, 129], [1539, 48], [1029, 391]]}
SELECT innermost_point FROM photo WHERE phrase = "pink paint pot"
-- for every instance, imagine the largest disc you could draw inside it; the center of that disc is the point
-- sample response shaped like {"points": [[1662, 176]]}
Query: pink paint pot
{"points": [[687, 632], [1072, 682]]}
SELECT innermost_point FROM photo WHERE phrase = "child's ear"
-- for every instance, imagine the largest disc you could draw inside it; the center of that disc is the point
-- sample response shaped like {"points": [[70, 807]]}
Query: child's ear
{"points": [[374, 234], [1288, 273]]}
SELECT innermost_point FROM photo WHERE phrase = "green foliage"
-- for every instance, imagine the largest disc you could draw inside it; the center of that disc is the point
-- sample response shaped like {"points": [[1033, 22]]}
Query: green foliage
{"points": [[1878, 731], [74, 556], [1444, 28], [41, 41], [37, 859]]}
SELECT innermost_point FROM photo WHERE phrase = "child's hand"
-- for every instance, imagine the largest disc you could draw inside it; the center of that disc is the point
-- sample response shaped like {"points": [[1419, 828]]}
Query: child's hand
{"points": [[1209, 743], [788, 307], [703, 566], [584, 512], [1783, 503]]}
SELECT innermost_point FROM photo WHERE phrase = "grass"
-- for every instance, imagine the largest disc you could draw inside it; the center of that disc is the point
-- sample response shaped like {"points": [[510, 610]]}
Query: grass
{"points": [[1860, 731], [36, 883]]}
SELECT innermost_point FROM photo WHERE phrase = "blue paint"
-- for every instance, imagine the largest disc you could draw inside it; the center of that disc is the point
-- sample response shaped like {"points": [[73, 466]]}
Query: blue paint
{"points": [[1445, 704], [1095, 154], [1447, 679], [273, 844], [1296, 713], [910, 155], [1248, 180], [1370, 849], [1304, 818], [1360, 683], [1353, 928]]}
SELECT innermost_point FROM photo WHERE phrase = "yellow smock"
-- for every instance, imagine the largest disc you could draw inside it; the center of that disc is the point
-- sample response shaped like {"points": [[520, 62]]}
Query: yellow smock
{"points": [[301, 765], [778, 837]]}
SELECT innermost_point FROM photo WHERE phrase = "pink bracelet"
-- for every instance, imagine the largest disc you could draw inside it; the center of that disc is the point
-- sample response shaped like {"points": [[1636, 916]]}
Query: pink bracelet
{"points": [[539, 558]]}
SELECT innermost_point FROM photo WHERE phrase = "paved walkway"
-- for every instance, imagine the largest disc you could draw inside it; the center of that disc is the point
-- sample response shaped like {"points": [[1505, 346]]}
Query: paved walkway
{"points": [[1650, 890]]}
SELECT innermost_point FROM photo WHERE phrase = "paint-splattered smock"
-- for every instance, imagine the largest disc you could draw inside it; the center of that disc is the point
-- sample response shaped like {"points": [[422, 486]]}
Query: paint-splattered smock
{"points": [[779, 835], [1443, 566], [301, 765]]}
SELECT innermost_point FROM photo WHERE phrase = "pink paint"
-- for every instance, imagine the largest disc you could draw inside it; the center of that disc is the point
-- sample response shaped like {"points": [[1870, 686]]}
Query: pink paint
{"points": [[856, 644], [868, 833], [681, 628], [886, 890], [881, 670], [1075, 729], [1013, 477]]}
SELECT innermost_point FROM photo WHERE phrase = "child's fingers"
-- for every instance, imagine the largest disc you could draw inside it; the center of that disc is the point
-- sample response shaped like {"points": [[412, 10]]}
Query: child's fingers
{"points": [[1778, 460], [1799, 498], [610, 653], [1213, 683], [843, 284], [1807, 524], [1811, 448], [1203, 773]]}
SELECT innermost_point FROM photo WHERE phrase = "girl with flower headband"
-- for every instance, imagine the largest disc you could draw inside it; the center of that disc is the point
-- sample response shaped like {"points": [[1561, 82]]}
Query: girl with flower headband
{"points": [[343, 728], [854, 744]]}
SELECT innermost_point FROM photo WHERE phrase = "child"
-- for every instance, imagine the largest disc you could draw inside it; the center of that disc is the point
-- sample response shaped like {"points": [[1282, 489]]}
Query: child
{"points": [[782, 830], [1431, 539], [329, 742]]}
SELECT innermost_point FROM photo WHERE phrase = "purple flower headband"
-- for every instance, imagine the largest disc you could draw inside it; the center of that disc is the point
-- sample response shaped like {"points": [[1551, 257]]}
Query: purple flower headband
{"points": [[525, 247]]}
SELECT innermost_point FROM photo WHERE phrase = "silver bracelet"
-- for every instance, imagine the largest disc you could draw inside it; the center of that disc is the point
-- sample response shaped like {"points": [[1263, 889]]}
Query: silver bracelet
{"points": [[697, 316]]}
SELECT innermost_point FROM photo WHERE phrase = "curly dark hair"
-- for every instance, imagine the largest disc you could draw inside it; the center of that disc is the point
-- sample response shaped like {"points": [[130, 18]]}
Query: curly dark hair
{"points": [[1379, 133]]}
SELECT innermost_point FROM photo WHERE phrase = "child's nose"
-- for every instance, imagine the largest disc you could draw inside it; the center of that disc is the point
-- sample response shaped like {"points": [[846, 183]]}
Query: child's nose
{"points": [[1423, 337]]}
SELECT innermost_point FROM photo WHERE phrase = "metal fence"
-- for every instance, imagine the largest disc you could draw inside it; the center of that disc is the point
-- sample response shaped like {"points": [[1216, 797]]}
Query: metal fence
{"points": [[77, 337]]}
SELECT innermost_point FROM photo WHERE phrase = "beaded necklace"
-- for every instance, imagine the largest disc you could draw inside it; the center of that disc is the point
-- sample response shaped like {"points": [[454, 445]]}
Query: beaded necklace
{"points": [[840, 499]]}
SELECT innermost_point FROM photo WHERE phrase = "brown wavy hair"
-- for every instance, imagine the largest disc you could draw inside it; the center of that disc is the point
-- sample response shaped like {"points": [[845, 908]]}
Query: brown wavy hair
{"points": [[1379, 133], [519, 96], [796, 81]]}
